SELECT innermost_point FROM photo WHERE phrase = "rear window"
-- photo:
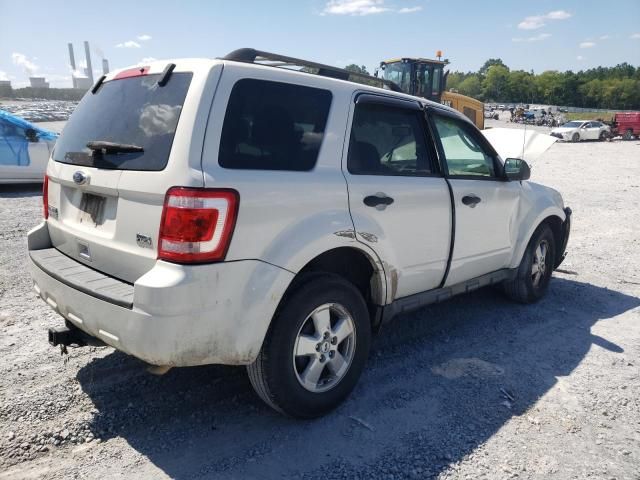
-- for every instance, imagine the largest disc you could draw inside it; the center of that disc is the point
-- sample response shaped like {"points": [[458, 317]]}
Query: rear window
{"points": [[273, 126], [132, 111]]}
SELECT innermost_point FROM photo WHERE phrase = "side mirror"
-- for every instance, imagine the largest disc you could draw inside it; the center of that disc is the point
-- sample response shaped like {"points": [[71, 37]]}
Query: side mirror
{"points": [[516, 169], [31, 134]]}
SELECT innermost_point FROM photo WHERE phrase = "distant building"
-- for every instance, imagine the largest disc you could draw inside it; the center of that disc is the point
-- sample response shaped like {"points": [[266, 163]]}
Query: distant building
{"points": [[105, 66], [5, 88], [82, 82], [5, 83], [38, 82]]}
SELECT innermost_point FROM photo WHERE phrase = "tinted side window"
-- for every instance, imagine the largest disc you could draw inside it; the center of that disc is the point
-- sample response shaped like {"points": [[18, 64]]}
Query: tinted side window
{"points": [[273, 126], [464, 155], [387, 141]]}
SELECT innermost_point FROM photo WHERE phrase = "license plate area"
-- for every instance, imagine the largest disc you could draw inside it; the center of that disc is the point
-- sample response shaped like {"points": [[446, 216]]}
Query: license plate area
{"points": [[91, 211]]}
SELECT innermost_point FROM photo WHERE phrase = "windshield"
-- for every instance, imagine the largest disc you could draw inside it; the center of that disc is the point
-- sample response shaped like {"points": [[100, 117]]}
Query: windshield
{"points": [[134, 111], [572, 124], [398, 73]]}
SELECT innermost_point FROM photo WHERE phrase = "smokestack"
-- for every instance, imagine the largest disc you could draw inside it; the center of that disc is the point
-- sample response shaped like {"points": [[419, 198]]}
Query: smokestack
{"points": [[87, 53], [72, 60], [105, 66]]}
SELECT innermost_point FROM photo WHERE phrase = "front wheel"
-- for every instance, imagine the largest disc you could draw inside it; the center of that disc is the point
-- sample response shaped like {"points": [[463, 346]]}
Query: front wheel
{"points": [[575, 137], [534, 273], [315, 350]]}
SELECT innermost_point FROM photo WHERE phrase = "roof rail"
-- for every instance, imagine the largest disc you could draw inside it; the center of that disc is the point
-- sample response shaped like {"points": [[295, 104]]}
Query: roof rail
{"points": [[251, 55]]}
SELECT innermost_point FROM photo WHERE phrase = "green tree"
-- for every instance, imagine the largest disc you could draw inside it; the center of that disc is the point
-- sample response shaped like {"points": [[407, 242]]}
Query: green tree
{"points": [[471, 87], [356, 69], [496, 83], [490, 63]]}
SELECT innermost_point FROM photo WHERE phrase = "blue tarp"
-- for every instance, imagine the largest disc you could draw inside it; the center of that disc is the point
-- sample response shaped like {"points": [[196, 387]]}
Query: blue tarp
{"points": [[14, 144]]}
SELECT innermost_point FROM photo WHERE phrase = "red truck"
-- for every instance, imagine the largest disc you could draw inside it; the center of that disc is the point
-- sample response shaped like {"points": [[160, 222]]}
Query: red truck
{"points": [[626, 124]]}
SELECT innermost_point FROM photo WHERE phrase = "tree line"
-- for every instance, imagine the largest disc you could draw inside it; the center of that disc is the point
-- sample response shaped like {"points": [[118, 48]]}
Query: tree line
{"points": [[602, 87]]}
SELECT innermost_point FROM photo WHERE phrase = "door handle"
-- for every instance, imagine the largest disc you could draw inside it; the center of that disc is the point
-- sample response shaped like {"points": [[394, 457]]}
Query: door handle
{"points": [[378, 200], [471, 200]]}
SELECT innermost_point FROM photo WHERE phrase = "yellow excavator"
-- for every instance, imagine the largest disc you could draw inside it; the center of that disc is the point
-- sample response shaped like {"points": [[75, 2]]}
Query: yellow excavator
{"points": [[427, 78]]}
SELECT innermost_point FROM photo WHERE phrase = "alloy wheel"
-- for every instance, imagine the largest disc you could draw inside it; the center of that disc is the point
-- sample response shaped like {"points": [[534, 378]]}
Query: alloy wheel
{"points": [[324, 347]]}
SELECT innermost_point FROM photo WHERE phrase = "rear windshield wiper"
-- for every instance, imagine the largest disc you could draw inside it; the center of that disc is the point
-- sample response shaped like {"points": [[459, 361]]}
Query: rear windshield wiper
{"points": [[111, 147]]}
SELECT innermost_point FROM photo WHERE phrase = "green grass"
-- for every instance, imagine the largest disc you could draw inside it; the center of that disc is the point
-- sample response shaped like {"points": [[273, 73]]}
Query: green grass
{"points": [[606, 116]]}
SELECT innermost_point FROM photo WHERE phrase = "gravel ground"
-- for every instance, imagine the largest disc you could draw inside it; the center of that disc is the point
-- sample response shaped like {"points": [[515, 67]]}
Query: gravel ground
{"points": [[477, 387]]}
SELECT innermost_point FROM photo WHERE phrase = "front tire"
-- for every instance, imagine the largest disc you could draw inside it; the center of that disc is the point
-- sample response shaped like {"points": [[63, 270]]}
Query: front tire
{"points": [[534, 273], [575, 137], [315, 350]]}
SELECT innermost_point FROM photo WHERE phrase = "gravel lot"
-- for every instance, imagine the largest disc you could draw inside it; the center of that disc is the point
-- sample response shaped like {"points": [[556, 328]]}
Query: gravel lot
{"points": [[477, 387]]}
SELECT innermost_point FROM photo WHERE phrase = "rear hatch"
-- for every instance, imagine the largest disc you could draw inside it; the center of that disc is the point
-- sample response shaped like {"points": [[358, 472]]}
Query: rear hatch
{"points": [[124, 146]]}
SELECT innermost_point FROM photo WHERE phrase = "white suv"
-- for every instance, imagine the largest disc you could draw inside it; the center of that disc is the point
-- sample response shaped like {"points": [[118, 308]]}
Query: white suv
{"points": [[223, 211]]}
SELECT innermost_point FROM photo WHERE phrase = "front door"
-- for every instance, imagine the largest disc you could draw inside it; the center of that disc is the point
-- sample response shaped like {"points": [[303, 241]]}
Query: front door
{"points": [[486, 206], [399, 203]]}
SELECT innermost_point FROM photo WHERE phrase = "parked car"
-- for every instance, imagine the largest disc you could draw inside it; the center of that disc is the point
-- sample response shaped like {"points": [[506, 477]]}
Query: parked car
{"points": [[578, 130], [24, 150], [226, 212]]}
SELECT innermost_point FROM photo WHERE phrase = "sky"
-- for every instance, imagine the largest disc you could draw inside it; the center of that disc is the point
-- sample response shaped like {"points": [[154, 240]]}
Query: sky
{"points": [[534, 35]]}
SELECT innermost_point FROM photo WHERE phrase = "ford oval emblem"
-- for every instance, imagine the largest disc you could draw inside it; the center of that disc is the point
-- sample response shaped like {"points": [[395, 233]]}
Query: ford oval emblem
{"points": [[80, 178]]}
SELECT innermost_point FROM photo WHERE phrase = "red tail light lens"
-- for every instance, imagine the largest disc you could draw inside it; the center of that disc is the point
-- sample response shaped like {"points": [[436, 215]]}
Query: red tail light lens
{"points": [[45, 197], [197, 224]]}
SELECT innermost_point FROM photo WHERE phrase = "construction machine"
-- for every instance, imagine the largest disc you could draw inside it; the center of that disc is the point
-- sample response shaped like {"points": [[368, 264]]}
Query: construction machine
{"points": [[427, 78]]}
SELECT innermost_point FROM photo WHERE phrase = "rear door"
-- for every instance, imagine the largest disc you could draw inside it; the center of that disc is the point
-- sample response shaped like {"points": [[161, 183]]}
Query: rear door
{"points": [[399, 202], [486, 206], [105, 203]]}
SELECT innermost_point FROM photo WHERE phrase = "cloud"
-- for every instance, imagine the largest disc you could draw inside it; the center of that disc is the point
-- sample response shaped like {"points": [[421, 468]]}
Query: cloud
{"points": [[580, 58], [128, 44], [4, 76], [535, 38], [587, 44], [604, 37], [634, 36], [144, 37], [410, 9], [538, 21], [21, 60], [363, 7]]}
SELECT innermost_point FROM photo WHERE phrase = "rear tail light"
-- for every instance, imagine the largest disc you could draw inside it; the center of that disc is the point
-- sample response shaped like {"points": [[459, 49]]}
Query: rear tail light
{"points": [[197, 224], [45, 197]]}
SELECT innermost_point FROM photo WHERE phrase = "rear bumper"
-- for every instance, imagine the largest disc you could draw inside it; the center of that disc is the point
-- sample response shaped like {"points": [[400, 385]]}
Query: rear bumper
{"points": [[179, 315], [564, 237]]}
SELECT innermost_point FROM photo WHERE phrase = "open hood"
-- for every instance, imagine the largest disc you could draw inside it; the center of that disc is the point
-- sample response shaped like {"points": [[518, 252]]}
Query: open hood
{"points": [[528, 145]]}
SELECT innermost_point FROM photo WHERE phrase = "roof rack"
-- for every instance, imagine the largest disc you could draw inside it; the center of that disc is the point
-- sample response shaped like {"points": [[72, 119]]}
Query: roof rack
{"points": [[251, 55]]}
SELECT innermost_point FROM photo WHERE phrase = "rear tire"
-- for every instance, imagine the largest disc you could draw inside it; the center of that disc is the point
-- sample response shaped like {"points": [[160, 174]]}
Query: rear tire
{"points": [[315, 350], [575, 137], [628, 135], [534, 273]]}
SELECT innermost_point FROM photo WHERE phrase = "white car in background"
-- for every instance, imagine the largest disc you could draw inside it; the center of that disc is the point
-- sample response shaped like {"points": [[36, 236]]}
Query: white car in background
{"points": [[578, 130]]}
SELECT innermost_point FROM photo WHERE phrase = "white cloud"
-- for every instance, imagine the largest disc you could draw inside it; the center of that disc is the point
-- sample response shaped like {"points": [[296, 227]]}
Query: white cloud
{"points": [[128, 44], [535, 38], [587, 45], [538, 21], [21, 60], [410, 9], [634, 36], [354, 7], [144, 37], [604, 37], [579, 58], [3, 76], [363, 7]]}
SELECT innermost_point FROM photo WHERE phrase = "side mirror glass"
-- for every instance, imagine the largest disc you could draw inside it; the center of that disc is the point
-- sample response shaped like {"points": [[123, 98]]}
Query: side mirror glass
{"points": [[31, 134], [516, 169]]}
